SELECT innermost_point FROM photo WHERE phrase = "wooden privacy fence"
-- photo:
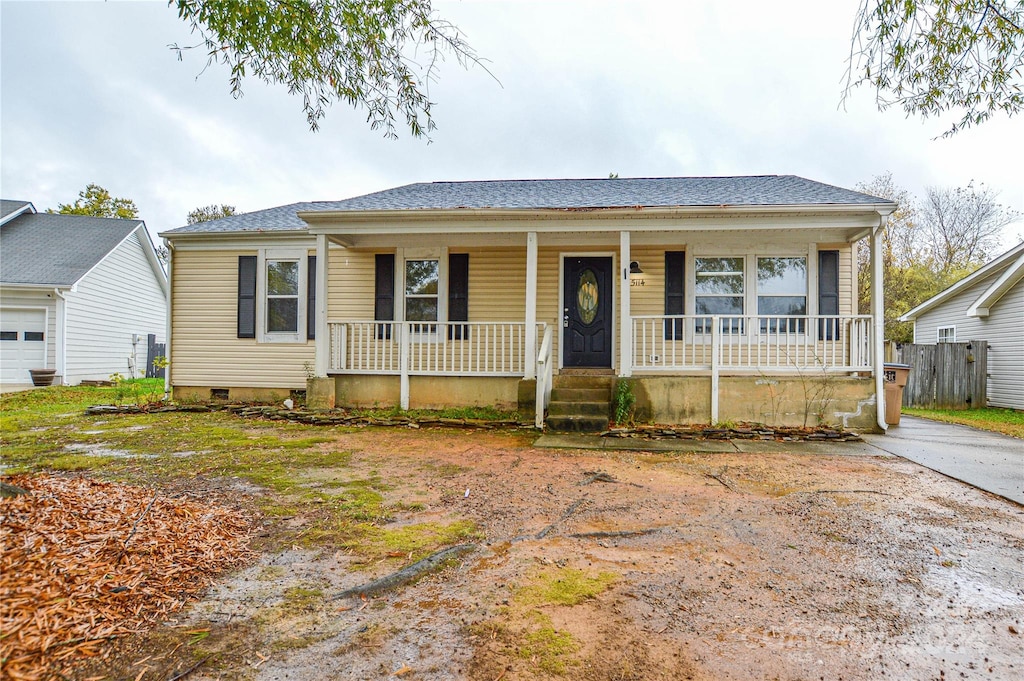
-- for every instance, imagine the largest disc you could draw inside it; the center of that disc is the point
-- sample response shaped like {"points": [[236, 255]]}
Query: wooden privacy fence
{"points": [[945, 375], [154, 350]]}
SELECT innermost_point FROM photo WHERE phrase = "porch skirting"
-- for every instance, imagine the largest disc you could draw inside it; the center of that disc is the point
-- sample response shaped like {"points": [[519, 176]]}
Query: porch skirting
{"points": [[814, 399], [428, 392]]}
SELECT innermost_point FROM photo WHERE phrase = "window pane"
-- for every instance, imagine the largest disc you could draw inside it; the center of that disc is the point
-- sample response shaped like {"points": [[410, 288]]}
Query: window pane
{"points": [[729, 265], [782, 276], [282, 278], [720, 305], [421, 309], [421, 277], [8, 335], [283, 315], [782, 305], [33, 335], [720, 284]]}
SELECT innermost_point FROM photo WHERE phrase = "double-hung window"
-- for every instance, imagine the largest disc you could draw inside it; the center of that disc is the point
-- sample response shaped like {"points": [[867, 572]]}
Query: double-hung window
{"points": [[719, 291], [282, 312], [782, 294], [422, 279], [946, 334]]}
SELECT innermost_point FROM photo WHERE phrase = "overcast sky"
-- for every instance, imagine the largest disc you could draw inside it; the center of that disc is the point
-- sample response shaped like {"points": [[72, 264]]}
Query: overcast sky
{"points": [[91, 93]]}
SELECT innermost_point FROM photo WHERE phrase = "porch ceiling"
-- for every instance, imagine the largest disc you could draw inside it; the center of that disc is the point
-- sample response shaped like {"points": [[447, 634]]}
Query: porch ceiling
{"points": [[757, 239], [647, 227]]}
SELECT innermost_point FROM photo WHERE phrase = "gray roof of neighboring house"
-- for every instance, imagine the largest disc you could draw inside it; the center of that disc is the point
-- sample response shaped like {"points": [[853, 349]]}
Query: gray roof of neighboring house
{"points": [[57, 250], [662, 192], [8, 206]]}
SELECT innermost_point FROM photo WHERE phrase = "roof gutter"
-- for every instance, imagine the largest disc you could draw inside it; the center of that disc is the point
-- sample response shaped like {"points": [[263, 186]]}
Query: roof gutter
{"points": [[426, 214]]}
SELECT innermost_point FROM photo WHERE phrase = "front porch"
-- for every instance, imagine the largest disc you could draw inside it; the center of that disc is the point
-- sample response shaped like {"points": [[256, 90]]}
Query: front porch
{"points": [[700, 349]]}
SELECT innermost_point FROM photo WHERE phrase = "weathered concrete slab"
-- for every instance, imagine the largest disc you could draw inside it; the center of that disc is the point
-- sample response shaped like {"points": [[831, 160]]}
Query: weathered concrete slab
{"points": [[988, 461]]}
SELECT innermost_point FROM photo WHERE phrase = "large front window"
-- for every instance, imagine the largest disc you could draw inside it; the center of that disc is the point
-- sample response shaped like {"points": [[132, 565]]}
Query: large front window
{"points": [[282, 296], [421, 290], [782, 292], [719, 291]]}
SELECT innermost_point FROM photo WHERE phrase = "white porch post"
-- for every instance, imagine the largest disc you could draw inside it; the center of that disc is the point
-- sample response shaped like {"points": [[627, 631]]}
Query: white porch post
{"points": [[878, 320], [625, 322], [323, 339], [403, 329], [531, 307]]}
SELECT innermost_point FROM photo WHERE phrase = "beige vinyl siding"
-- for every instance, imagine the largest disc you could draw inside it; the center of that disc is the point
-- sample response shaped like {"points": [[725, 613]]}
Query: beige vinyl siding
{"points": [[120, 297], [497, 284], [205, 348], [350, 285], [647, 290], [847, 277], [1001, 329], [35, 300]]}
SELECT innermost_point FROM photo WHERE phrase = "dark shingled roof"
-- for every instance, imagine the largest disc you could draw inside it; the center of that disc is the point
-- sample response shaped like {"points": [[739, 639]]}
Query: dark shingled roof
{"points": [[8, 206], [57, 250], [658, 192]]}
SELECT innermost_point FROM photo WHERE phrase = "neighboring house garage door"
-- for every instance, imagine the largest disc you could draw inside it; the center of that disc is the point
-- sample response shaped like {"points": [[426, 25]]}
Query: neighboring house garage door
{"points": [[22, 344]]}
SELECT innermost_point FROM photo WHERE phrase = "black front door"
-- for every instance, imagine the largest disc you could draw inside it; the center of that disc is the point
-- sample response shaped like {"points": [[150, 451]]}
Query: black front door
{"points": [[587, 313]]}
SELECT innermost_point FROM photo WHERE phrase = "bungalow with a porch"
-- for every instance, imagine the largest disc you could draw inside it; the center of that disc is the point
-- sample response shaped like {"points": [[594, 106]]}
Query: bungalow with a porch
{"points": [[720, 298]]}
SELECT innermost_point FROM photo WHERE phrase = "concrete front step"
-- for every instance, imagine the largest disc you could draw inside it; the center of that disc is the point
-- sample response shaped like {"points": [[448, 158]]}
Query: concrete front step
{"points": [[596, 408], [580, 403], [577, 424], [580, 395], [570, 381]]}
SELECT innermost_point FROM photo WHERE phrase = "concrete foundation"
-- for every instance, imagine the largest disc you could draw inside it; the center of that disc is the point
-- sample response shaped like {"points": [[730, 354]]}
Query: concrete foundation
{"points": [[774, 400], [320, 393], [428, 392], [186, 393]]}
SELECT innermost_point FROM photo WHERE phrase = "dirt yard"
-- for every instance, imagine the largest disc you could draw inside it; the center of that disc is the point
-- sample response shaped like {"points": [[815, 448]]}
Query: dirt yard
{"points": [[620, 566]]}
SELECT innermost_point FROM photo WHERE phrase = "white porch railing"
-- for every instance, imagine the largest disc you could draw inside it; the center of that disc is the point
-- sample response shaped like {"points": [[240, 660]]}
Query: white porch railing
{"points": [[428, 348], [545, 371], [777, 344]]}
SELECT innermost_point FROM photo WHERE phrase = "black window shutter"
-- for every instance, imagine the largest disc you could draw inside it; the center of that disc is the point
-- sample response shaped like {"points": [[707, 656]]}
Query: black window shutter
{"points": [[458, 295], [311, 298], [828, 294], [247, 296], [384, 293], [675, 264]]}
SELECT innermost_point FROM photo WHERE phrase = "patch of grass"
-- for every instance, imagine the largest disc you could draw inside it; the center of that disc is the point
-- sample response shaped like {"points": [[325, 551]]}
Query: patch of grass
{"points": [[549, 649], [1005, 421], [303, 475], [564, 586], [423, 538], [302, 598]]}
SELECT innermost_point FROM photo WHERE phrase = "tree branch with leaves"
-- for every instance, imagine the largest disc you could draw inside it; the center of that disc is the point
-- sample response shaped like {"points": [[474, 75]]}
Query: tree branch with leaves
{"points": [[936, 56], [95, 201], [366, 53]]}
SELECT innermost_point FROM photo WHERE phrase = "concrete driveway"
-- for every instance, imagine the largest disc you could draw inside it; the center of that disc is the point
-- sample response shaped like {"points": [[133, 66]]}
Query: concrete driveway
{"points": [[988, 461]]}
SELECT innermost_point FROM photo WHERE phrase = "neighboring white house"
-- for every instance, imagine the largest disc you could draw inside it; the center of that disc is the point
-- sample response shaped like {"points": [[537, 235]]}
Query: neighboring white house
{"points": [[77, 294], [986, 305]]}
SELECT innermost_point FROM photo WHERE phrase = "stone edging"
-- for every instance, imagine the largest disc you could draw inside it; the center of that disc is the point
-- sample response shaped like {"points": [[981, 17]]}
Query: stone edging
{"points": [[334, 417]]}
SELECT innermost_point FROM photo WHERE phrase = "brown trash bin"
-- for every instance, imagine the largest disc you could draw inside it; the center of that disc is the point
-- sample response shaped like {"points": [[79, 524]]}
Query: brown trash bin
{"points": [[896, 376]]}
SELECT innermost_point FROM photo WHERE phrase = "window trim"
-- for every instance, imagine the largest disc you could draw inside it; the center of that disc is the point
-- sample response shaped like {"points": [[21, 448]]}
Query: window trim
{"points": [[402, 255], [940, 329], [301, 255], [734, 329], [791, 327]]}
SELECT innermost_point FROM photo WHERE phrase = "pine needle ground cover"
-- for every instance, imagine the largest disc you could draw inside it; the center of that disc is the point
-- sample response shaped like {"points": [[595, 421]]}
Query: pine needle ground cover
{"points": [[85, 561]]}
